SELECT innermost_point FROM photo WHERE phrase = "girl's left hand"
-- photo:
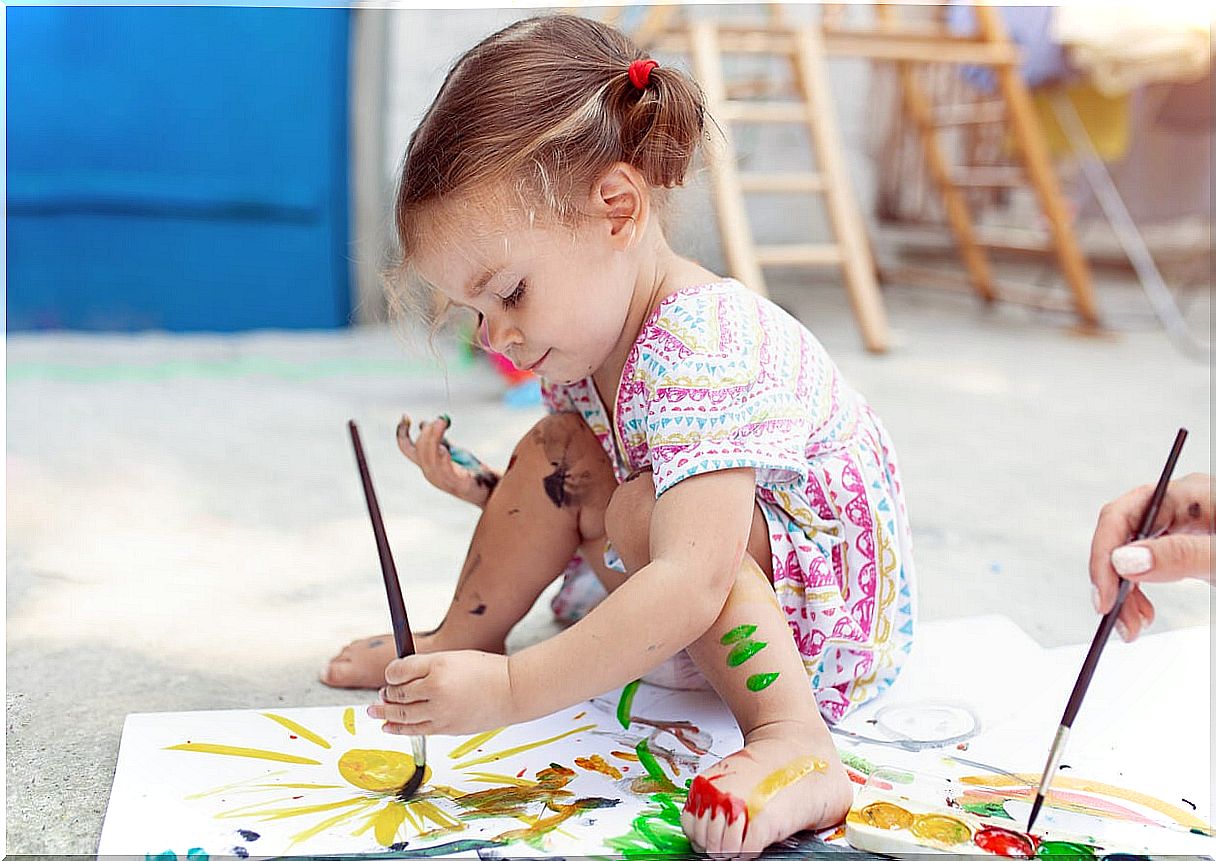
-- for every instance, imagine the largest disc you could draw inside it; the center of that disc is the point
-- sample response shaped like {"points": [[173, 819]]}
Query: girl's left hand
{"points": [[446, 693]]}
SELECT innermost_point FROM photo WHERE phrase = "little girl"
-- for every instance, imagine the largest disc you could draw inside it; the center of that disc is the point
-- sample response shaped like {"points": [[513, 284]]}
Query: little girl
{"points": [[735, 496]]}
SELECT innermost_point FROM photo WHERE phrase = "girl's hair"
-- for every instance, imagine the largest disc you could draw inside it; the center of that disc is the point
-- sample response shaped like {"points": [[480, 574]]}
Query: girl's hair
{"points": [[544, 107]]}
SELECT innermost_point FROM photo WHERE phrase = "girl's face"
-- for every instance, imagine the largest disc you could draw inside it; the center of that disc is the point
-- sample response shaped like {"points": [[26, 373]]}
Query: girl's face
{"points": [[553, 299]]}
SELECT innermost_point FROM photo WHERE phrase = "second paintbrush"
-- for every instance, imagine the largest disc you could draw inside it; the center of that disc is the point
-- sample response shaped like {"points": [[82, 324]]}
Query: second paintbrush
{"points": [[396, 605]]}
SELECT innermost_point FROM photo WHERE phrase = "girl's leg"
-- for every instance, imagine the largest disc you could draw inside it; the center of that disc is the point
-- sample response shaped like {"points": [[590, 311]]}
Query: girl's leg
{"points": [[788, 775], [551, 499]]}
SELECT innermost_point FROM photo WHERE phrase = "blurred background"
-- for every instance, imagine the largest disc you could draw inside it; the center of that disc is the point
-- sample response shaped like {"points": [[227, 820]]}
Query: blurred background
{"points": [[998, 222]]}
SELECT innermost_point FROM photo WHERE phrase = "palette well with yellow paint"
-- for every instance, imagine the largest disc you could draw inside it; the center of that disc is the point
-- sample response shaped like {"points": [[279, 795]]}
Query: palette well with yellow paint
{"points": [[899, 811]]}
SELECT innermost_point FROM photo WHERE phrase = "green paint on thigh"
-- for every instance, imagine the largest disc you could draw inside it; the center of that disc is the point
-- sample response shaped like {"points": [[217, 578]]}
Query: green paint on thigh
{"points": [[742, 651], [760, 681], [734, 635]]}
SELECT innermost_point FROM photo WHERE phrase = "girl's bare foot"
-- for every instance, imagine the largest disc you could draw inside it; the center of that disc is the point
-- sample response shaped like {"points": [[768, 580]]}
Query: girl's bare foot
{"points": [[787, 778], [361, 663]]}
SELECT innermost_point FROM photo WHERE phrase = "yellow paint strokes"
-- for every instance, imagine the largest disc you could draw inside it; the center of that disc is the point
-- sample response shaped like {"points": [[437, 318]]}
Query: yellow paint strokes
{"points": [[1029, 781], [595, 762], [626, 755], [779, 780], [325, 824], [228, 786], [388, 821], [427, 810], [348, 719], [502, 754], [503, 779], [473, 743], [580, 715], [299, 729], [261, 812], [251, 752]]}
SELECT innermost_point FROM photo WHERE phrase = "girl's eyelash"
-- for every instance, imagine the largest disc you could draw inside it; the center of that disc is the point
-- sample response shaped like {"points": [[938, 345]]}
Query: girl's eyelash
{"points": [[512, 300]]}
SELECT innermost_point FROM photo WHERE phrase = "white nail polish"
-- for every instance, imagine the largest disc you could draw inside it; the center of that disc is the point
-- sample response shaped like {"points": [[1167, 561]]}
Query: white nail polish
{"points": [[1096, 597], [1131, 559], [1122, 629]]}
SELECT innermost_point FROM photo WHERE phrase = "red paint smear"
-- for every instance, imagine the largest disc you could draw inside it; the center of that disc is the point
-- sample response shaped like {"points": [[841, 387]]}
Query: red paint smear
{"points": [[704, 797], [293, 736], [859, 779], [521, 772], [1001, 841], [1058, 798]]}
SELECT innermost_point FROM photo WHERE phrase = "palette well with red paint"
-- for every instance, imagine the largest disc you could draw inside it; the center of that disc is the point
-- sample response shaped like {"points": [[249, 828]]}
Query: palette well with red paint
{"points": [[900, 811]]}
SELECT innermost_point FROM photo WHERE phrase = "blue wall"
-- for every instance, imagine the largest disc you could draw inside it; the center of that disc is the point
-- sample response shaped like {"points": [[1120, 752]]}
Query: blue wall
{"points": [[179, 168]]}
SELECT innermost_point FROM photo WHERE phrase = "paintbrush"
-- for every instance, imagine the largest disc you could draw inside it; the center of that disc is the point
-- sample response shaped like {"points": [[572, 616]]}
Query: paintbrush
{"points": [[396, 605], [1102, 635]]}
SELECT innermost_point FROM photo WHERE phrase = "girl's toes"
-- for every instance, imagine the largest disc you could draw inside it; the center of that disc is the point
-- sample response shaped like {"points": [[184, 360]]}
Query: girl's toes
{"points": [[731, 838]]}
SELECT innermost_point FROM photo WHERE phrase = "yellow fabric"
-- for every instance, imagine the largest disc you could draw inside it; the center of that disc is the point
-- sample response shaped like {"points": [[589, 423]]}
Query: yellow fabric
{"points": [[1106, 119]]}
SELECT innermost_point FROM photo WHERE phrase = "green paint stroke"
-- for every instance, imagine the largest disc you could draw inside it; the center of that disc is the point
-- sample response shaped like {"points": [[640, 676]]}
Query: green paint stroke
{"points": [[646, 758], [994, 809], [760, 681], [655, 831], [1064, 849], [734, 635], [624, 708], [742, 651]]}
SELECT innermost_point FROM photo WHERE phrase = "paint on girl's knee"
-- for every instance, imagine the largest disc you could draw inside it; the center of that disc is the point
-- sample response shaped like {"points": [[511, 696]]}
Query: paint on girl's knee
{"points": [[555, 484]]}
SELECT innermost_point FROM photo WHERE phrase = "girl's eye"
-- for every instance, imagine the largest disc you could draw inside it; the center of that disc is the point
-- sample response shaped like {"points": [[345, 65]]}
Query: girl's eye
{"points": [[513, 299]]}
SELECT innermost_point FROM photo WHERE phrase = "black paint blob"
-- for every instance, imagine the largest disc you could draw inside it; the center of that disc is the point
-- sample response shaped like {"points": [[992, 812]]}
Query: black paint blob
{"points": [[479, 610], [248, 835], [240, 851], [555, 484]]}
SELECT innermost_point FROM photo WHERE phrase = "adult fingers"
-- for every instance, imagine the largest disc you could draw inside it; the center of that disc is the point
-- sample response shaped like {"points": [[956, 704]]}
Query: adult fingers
{"points": [[1136, 615], [1160, 560], [1115, 526]]}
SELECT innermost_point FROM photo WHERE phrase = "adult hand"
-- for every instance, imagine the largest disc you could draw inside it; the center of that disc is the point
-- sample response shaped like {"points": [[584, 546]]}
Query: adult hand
{"points": [[1181, 547]]}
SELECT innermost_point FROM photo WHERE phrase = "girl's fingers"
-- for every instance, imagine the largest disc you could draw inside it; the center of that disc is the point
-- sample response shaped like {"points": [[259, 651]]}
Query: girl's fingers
{"points": [[407, 694], [403, 439], [398, 714]]}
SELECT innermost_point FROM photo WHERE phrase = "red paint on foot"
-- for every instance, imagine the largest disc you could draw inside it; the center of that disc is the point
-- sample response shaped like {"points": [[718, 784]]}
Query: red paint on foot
{"points": [[704, 797], [1002, 841]]}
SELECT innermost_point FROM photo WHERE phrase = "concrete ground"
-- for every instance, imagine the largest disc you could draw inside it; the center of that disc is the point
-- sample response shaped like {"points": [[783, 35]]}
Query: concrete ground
{"points": [[186, 530]]}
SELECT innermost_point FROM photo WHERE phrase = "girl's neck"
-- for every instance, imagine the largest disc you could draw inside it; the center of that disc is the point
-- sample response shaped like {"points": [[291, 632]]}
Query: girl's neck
{"points": [[662, 273]]}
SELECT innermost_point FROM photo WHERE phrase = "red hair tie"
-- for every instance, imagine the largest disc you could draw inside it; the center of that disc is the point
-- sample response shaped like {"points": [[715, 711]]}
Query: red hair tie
{"points": [[639, 72]]}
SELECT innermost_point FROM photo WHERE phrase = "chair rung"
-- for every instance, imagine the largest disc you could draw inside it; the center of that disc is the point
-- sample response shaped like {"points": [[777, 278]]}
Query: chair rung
{"points": [[764, 112], [781, 183], [989, 177], [813, 255]]}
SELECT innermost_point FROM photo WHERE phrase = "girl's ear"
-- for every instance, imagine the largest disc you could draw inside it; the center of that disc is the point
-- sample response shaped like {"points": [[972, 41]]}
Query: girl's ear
{"points": [[621, 197]]}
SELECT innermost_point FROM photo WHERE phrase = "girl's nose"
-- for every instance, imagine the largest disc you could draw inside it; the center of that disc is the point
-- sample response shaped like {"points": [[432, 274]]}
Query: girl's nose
{"points": [[499, 336]]}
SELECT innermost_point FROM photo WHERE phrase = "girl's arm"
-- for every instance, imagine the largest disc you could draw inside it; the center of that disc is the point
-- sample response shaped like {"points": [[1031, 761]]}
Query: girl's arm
{"points": [[698, 534]]}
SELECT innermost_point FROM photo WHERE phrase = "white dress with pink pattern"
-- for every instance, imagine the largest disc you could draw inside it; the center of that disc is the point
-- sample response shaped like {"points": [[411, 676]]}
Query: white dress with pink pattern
{"points": [[720, 378]]}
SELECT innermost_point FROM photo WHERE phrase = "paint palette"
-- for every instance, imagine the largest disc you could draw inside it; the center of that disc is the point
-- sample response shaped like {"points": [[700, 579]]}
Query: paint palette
{"points": [[899, 811]]}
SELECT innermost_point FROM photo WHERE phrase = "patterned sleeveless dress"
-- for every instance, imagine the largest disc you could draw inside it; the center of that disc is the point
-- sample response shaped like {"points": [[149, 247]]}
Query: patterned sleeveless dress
{"points": [[720, 378]]}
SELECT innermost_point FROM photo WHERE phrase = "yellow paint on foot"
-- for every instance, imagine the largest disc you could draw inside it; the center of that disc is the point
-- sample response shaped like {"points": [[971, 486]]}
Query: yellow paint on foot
{"points": [[251, 752], [502, 754], [348, 719], [779, 780], [388, 821], [1030, 781], [299, 729], [473, 743], [503, 779]]}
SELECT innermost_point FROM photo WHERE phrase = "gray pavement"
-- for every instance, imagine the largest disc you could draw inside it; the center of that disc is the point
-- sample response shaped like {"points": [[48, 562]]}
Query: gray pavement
{"points": [[185, 527]]}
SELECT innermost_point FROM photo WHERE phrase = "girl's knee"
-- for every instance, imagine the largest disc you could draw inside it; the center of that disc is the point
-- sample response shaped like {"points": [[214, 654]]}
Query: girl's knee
{"points": [[572, 466]]}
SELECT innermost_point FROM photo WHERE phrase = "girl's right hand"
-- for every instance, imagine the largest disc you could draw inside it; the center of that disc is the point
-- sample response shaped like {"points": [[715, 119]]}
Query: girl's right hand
{"points": [[429, 453]]}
